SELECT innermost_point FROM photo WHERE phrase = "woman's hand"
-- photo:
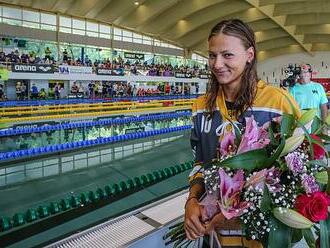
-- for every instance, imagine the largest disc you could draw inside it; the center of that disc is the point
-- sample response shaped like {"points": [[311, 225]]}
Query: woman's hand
{"points": [[192, 220], [220, 222]]}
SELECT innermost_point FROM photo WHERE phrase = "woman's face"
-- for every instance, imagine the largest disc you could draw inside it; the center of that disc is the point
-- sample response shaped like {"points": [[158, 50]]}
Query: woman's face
{"points": [[228, 58]]}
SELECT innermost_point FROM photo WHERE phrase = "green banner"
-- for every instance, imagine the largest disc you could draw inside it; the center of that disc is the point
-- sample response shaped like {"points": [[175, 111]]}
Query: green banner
{"points": [[4, 74]]}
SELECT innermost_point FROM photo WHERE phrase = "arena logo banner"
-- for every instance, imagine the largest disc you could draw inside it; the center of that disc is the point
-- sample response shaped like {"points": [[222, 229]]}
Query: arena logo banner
{"points": [[114, 72], [68, 69], [204, 76], [138, 56], [183, 75], [103, 71], [39, 68], [34, 125]]}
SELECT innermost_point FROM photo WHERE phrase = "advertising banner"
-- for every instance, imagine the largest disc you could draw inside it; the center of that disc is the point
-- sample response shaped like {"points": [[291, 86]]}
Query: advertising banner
{"points": [[110, 72], [183, 75], [138, 56], [37, 68], [69, 69]]}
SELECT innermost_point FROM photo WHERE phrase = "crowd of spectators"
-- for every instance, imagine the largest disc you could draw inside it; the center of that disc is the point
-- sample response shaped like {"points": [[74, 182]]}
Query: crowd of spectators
{"points": [[137, 67]]}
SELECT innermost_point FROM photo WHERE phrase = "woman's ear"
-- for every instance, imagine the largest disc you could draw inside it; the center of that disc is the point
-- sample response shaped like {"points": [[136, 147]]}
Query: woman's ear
{"points": [[250, 54]]}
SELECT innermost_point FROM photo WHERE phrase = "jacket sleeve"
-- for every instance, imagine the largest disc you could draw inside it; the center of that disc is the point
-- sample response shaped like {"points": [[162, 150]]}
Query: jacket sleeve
{"points": [[196, 175]]}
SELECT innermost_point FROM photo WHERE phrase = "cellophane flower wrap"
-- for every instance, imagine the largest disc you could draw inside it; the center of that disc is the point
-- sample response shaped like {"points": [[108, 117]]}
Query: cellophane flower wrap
{"points": [[274, 179]]}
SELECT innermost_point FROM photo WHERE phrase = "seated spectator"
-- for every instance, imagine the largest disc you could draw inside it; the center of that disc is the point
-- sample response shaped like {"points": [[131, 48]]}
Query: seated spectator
{"points": [[57, 90], [34, 92], [74, 88], [65, 55], [42, 94], [48, 53], [2, 93]]}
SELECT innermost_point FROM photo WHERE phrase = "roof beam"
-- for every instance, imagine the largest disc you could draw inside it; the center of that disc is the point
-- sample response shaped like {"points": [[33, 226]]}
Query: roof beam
{"points": [[280, 20], [203, 16]]}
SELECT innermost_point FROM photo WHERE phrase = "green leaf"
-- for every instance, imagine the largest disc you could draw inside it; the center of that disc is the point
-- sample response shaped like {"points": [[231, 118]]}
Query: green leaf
{"points": [[292, 144], [325, 233], [307, 116], [327, 120], [310, 140], [317, 123], [287, 124], [266, 200], [322, 177], [292, 218], [281, 237], [326, 138], [296, 235], [309, 237], [317, 162], [249, 161]]}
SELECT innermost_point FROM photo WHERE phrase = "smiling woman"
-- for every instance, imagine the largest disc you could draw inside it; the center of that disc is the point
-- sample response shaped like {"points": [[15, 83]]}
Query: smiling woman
{"points": [[233, 93]]}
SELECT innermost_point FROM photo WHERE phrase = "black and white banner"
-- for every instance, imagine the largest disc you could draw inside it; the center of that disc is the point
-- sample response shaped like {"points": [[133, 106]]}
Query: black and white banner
{"points": [[183, 75], [38, 68], [138, 56]]}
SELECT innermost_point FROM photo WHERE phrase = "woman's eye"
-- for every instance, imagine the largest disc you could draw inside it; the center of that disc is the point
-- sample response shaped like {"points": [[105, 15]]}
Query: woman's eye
{"points": [[211, 56], [228, 55]]}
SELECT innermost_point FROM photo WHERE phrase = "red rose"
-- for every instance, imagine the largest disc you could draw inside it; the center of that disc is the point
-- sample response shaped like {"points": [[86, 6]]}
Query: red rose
{"points": [[314, 207], [319, 152]]}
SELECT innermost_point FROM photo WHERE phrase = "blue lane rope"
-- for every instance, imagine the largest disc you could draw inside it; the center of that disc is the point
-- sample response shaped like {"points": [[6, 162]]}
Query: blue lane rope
{"points": [[105, 122], [87, 143], [79, 101]]}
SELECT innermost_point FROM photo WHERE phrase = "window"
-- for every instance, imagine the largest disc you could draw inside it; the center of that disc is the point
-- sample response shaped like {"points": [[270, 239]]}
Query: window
{"points": [[92, 34], [65, 30], [128, 39], [92, 26], [78, 31], [31, 16], [78, 24], [48, 19], [127, 33], [12, 13], [105, 29], [157, 42], [106, 36], [147, 42], [117, 32], [48, 27], [137, 40], [65, 21], [137, 36]]}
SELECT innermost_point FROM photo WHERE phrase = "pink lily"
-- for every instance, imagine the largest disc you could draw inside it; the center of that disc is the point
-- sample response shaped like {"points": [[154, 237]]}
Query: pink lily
{"points": [[227, 144], [254, 137], [230, 188]]}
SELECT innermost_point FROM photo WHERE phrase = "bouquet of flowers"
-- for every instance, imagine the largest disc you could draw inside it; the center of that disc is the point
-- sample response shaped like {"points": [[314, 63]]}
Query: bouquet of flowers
{"points": [[274, 178]]}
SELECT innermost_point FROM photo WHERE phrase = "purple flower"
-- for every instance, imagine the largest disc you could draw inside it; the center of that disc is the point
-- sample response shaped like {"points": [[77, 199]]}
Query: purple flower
{"points": [[294, 162], [273, 179], [309, 184]]}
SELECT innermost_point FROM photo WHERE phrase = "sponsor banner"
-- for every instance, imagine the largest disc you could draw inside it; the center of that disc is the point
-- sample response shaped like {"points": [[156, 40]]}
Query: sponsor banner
{"points": [[134, 130], [204, 76], [69, 69], [138, 56], [33, 125], [103, 71], [183, 75], [37, 68], [114, 72]]}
